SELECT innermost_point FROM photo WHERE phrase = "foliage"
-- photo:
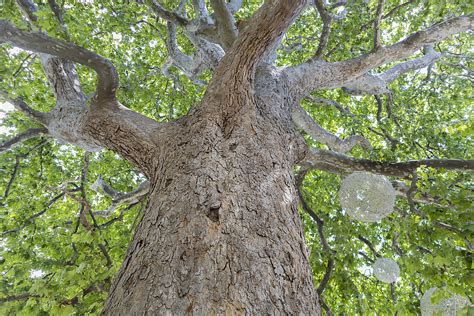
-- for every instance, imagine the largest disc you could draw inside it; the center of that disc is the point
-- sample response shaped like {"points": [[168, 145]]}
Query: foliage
{"points": [[58, 267]]}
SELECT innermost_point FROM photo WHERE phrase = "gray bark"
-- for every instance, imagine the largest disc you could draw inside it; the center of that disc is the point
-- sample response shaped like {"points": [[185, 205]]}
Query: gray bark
{"points": [[221, 234]]}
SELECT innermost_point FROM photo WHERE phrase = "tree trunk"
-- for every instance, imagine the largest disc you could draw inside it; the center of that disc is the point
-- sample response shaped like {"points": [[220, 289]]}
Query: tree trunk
{"points": [[221, 234]]}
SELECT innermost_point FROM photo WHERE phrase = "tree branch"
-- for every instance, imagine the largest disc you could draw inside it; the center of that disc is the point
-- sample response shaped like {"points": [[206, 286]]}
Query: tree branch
{"points": [[57, 11], [207, 55], [325, 307], [61, 73], [390, 13], [260, 37], [377, 20], [29, 8], [369, 244], [36, 215], [226, 28], [333, 103], [320, 223], [430, 56], [13, 176], [21, 106], [411, 202], [166, 15], [38, 42], [17, 166], [327, 20], [339, 163], [119, 198], [18, 297], [201, 11], [30, 133], [304, 121], [402, 189], [378, 84], [315, 75]]}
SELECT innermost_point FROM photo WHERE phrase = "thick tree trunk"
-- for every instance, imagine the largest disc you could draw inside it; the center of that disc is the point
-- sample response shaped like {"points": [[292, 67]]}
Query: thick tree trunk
{"points": [[221, 234]]}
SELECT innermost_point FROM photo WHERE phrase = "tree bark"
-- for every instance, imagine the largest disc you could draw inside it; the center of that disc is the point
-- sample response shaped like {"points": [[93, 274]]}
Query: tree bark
{"points": [[221, 234]]}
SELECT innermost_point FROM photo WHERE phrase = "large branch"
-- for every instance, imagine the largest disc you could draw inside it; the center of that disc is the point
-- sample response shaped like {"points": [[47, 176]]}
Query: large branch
{"points": [[261, 35], [38, 42], [378, 84], [201, 10], [226, 28], [305, 122], [317, 74], [61, 73], [234, 5], [339, 163], [30, 133], [206, 57]]}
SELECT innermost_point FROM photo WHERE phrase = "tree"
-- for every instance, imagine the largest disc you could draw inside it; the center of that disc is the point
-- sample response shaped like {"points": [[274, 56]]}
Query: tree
{"points": [[209, 148]]}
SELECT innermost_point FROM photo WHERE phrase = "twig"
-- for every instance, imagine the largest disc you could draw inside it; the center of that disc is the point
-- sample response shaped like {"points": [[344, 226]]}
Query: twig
{"points": [[30, 133], [36, 215], [369, 244], [320, 223]]}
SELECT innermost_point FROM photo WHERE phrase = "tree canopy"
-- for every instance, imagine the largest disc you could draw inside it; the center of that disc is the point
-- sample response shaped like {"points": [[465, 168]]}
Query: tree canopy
{"points": [[67, 215]]}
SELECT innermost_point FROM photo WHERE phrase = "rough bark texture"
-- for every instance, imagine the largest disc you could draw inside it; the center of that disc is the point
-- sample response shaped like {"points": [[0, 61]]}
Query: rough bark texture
{"points": [[221, 234]]}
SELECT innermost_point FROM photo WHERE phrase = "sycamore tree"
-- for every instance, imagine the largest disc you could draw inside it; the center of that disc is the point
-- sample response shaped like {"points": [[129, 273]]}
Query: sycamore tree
{"points": [[154, 154]]}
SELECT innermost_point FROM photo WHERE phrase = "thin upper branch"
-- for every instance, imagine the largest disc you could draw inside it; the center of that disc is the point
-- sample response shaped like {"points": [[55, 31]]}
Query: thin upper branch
{"points": [[369, 244], [21, 106], [56, 10], [304, 121], [172, 17], [320, 225], [333, 103], [405, 48], [107, 76], [30, 133], [429, 57], [201, 10], [119, 198], [390, 13], [327, 20], [378, 84], [339, 163], [411, 202], [317, 74], [18, 297], [377, 20], [29, 8], [38, 214]]}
